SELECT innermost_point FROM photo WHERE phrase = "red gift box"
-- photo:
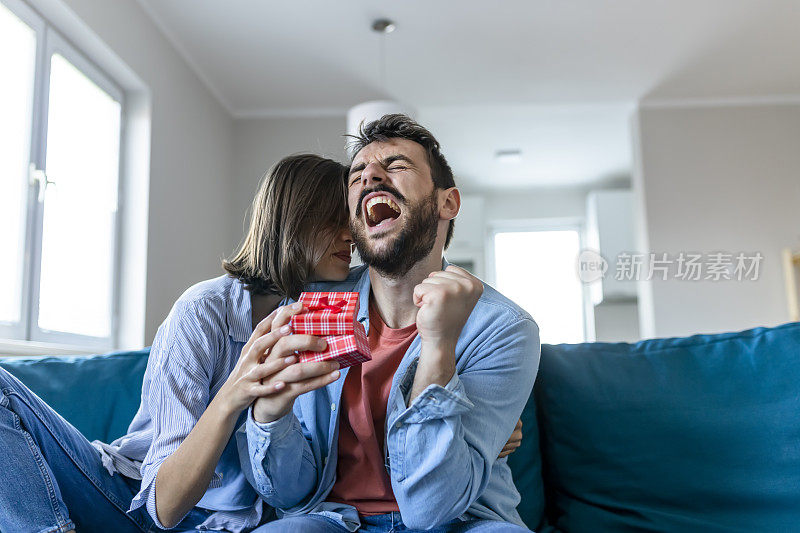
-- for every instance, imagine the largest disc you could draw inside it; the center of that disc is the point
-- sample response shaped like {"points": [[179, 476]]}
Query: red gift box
{"points": [[327, 313], [347, 350]]}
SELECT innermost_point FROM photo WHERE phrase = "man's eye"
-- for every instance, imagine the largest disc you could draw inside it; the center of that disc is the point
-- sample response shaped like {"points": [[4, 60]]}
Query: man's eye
{"points": [[355, 180], [397, 167]]}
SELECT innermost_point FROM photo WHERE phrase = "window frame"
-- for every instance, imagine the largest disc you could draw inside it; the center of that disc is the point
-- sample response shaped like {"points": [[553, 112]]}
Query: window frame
{"points": [[50, 41], [20, 9]]}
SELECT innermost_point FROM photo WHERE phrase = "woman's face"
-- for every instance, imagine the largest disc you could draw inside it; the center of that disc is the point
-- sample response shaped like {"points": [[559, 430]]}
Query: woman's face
{"points": [[335, 262]]}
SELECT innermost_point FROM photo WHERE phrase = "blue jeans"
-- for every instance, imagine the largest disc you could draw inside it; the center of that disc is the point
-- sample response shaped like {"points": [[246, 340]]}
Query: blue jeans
{"points": [[383, 523], [53, 480]]}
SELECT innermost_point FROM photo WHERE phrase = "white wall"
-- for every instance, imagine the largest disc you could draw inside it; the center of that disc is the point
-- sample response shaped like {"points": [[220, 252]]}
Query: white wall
{"points": [[535, 204], [259, 143], [616, 322], [719, 179], [189, 214]]}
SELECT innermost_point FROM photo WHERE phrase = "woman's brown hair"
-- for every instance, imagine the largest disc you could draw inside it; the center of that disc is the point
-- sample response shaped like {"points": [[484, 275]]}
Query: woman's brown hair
{"points": [[299, 207]]}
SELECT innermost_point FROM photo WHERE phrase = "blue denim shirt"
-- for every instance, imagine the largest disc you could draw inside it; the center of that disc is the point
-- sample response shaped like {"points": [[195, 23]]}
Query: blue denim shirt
{"points": [[441, 451]]}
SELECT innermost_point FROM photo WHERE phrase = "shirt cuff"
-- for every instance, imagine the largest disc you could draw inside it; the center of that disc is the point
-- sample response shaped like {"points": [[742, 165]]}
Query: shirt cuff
{"points": [[436, 402], [151, 506], [264, 433], [147, 496], [259, 438]]}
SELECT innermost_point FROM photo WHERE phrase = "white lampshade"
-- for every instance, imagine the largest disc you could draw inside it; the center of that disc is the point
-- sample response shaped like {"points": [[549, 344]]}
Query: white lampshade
{"points": [[369, 111]]}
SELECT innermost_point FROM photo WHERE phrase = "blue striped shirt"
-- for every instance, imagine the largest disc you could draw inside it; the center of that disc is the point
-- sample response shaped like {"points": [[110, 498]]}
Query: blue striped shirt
{"points": [[193, 353]]}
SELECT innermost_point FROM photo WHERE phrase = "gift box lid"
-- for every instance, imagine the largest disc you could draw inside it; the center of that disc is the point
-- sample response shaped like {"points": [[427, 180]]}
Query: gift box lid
{"points": [[327, 313]]}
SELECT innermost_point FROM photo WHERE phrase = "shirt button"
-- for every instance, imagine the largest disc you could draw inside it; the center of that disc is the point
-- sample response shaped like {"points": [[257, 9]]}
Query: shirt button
{"points": [[397, 425], [333, 407]]}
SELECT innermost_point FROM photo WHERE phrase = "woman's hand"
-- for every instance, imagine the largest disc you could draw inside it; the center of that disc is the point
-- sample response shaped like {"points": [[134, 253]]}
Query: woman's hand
{"points": [[296, 379], [247, 381], [514, 441]]}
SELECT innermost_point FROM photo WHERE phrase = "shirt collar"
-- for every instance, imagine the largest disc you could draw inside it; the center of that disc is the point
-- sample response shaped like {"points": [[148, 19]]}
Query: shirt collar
{"points": [[240, 316], [363, 289]]}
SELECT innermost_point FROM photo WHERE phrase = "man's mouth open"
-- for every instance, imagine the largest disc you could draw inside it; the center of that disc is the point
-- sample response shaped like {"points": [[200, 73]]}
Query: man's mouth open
{"points": [[380, 211]]}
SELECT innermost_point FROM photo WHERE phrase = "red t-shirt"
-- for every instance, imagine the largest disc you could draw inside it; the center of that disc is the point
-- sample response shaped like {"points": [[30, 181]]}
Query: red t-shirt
{"points": [[361, 477]]}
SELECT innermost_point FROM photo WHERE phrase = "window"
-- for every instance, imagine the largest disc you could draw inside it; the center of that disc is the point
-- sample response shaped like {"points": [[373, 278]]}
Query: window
{"points": [[59, 179], [537, 270]]}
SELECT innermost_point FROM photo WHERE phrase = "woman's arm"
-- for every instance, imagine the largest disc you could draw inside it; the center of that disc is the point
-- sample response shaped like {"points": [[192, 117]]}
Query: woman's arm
{"points": [[184, 476]]}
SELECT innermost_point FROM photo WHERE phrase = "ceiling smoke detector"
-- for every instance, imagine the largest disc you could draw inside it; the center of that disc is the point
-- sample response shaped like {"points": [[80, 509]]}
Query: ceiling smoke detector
{"points": [[508, 156], [383, 26]]}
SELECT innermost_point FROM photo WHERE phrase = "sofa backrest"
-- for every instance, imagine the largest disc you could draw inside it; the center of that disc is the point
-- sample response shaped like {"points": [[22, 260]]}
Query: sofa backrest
{"points": [[98, 394], [691, 434]]}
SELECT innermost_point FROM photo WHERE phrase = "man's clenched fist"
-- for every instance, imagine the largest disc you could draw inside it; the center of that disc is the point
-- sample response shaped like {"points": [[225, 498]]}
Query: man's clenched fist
{"points": [[445, 300]]}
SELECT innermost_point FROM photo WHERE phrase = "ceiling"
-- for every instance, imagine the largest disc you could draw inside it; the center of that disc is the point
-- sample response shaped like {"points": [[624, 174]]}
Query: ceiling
{"points": [[561, 145], [555, 79]]}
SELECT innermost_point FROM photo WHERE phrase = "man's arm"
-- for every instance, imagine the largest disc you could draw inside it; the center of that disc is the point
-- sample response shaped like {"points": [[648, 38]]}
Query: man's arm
{"points": [[273, 449], [455, 424], [445, 300], [443, 446], [277, 460]]}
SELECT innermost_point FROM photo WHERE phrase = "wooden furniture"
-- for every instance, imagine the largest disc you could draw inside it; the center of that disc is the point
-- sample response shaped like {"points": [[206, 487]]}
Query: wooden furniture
{"points": [[791, 267]]}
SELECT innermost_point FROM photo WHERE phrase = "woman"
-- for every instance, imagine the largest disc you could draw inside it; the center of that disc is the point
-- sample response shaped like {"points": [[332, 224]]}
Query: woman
{"points": [[178, 466], [204, 370]]}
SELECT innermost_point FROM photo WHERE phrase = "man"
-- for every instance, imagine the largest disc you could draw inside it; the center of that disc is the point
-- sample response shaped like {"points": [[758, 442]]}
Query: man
{"points": [[412, 437]]}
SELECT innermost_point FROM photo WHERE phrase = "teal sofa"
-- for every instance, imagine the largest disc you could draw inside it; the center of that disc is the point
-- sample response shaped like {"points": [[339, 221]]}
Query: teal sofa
{"points": [[696, 434]]}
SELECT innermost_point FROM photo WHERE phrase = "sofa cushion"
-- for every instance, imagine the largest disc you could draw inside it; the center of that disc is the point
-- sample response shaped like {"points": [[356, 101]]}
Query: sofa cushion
{"points": [[691, 434], [98, 394]]}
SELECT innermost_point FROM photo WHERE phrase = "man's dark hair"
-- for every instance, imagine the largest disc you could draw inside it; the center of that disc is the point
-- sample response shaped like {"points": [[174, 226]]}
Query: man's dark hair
{"points": [[399, 126]]}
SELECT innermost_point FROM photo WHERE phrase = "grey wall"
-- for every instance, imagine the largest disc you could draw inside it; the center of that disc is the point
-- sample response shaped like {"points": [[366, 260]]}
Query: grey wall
{"points": [[259, 143], [616, 322], [536, 204], [719, 179]]}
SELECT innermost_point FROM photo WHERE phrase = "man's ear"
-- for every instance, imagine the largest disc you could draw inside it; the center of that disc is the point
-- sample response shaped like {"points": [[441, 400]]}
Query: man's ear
{"points": [[450, 203]]}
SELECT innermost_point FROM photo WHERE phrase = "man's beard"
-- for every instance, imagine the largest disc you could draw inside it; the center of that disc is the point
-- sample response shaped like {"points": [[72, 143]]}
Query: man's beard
{"points": [[414, 243]]}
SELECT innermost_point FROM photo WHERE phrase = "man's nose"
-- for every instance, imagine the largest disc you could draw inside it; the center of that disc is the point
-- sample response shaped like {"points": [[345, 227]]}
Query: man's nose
{"points": [[372, 173]]}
